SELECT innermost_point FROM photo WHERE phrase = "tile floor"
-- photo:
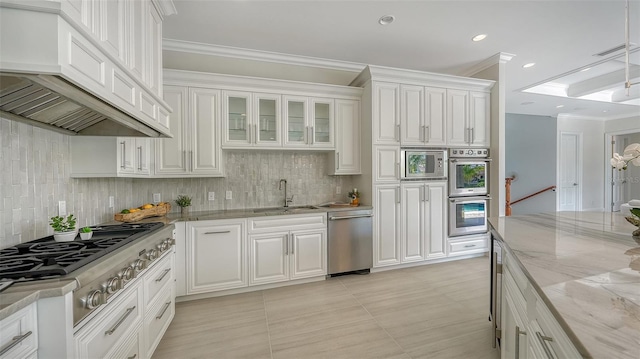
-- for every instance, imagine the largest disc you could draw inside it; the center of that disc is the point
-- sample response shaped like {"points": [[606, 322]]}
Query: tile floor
{"points": [[433, 311]]}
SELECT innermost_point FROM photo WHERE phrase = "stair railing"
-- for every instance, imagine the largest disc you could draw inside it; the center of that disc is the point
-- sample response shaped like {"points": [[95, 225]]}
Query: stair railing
{"points": [[508, 204]]}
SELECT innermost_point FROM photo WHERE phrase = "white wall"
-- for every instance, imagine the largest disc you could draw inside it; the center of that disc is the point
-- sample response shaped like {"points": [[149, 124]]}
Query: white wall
{"points": [[530, 143], [593, 155]]}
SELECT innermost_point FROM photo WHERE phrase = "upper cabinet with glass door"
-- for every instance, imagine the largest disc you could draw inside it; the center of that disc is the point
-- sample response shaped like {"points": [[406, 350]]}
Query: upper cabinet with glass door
{"points": [[308, 122], [251, 120]]}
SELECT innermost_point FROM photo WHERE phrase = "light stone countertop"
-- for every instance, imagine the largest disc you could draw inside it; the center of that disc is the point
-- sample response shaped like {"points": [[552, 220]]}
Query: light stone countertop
{"points": [[20, 295], [586, 267]]}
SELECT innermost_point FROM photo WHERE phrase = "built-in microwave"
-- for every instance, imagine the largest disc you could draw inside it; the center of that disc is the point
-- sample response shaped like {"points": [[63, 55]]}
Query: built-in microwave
{"points": [[421, 163]]}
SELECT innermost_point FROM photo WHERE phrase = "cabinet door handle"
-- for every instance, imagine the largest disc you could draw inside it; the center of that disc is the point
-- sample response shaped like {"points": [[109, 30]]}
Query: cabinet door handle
{"points": [[518, 333], [286, 244], [426, 133], [164, 309], [122, 156], [397, 134], [120, 321], [15, 341], [192, 160], [306, 135], [293, 243], [217, 232], [543, 340], [139, 158], [469, 245], [256, 133], [311, 135], [338, 160], [134, 356], [397, 194], [473, 135], [396, 171], [164, 274], [427, 196]]}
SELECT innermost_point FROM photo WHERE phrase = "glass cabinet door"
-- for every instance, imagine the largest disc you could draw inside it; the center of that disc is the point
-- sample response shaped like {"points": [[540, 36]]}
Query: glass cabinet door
{"points": [[296, 121], [322, 123], [267, 129], [238, 118]]}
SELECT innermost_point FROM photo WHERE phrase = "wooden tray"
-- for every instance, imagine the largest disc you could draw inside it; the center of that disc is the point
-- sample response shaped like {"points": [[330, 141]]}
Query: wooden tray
{"points": [[159, 210], [339, 205]]}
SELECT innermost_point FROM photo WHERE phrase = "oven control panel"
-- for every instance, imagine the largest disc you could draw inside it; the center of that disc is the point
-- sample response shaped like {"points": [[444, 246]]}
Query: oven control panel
{"points": [[469, 152]]}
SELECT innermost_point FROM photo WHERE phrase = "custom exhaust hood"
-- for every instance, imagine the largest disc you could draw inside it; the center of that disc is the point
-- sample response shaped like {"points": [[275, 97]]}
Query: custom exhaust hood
{"points": [[51, 102], [60, 71]]}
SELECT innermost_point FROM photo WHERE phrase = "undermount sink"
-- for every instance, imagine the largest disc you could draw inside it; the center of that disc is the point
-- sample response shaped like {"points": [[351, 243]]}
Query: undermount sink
{"points": [[290, 209]]}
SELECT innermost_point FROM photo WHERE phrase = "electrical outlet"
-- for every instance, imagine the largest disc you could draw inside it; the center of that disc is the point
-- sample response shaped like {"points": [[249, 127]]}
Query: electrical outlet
{"points": [[338, 190], [229, 195], [157, 198], [112, 202], [62, 208], [212, 196]]}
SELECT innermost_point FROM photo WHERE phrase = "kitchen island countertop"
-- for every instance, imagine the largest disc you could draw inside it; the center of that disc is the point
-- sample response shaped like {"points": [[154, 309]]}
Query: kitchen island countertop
{"points": [[586, 267]]}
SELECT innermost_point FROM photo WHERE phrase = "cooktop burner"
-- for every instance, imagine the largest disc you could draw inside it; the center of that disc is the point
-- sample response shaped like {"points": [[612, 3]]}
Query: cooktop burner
{"points": [[45, 258]]}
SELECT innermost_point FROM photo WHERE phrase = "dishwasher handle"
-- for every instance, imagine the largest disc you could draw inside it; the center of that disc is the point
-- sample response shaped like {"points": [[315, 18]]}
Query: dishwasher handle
{"points": [[351, 217]]}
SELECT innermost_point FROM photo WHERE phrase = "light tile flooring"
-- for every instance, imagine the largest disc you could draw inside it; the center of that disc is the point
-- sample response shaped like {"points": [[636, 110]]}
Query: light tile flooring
{"points": [[433, 311]]}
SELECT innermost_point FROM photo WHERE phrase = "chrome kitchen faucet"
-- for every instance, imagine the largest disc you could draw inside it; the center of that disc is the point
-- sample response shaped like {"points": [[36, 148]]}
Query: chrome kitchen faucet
{"points": [[287, 200]]}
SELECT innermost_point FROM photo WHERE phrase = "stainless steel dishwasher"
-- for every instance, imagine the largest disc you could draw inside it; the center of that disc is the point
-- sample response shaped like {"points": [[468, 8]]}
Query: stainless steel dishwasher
{"points": [[350, 241]]}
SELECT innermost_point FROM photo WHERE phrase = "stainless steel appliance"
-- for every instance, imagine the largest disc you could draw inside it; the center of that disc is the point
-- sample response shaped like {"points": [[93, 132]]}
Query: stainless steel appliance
{"points": [[420, 163], [467, 215], [468, 172], [495, 290], [468, 191], [350, 241], [89, 262]]}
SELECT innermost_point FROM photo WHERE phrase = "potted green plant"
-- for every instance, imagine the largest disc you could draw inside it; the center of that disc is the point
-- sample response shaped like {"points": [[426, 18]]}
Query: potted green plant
{"points": [[183, 201], [86, 233], [64, 228]]}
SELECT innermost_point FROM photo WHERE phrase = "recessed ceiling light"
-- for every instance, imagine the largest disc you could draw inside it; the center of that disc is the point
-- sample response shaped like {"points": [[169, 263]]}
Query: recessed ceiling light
{"points": [[527, 103], [386, 19], [585, 69], [531, 64], [479, 37], [560, 106], [605, 110]]}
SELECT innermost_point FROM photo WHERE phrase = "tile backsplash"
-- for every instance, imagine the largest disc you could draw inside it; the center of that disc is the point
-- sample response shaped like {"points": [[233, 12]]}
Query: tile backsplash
{"points": [[36, 167]]}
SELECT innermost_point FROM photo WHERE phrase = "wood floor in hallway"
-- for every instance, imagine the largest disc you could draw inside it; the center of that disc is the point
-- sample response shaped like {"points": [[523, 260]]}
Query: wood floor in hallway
{"points": [[432, 311]]}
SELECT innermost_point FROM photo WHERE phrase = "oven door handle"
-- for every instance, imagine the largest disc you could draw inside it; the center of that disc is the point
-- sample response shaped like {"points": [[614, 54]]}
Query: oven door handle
{"points": [[454, 160], [469, 199]]}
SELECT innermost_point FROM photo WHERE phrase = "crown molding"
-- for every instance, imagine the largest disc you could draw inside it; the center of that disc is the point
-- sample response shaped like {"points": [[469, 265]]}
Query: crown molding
{"points": [[165, 7], [258, 55], [414, 77], [582, 117], [499, 58]]}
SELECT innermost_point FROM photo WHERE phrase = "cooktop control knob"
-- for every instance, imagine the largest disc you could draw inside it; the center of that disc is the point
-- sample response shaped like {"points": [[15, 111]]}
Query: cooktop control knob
{"points": [[152, 254], [139, 265], [162, 246], [112, 285], [470, 152], [127, 273], [94, 299]]}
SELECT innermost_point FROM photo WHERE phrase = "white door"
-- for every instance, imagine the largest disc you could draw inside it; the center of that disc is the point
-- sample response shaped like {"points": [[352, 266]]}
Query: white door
{"points": [[170, 153], [386, 114], [216, 257], [296, 121], [413, 221], [322, 123], [479, 118], [386, 228], [412, 115], [457, 117], [569, 169], [308, 252], [269, 258], [435, 104], [205, 156], [387, 165], [436, 219], [347, 122]]}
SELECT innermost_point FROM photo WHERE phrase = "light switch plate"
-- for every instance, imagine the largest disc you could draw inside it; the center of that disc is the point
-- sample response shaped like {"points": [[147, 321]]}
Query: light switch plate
{"points": [[338, 189], [212, 196], [157, 198], [112, 202], [62, 208], [229, 195]]}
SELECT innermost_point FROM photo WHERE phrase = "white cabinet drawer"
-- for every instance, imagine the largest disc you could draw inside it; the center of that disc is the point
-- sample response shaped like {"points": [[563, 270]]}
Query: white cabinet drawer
{"points": [[463, 247], [112, 325], [288, 222], [129, 348], [160, 274], [559, 342], [19, 334], [158, 318], [514, 268]]}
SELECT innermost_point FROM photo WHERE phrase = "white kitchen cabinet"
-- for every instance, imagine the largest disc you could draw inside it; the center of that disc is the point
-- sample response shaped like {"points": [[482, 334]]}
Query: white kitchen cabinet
{"points": [[287, 248], [386, 231], [110, 156], [467, 118], [215, 255], [423, 220], [346, 159], [251, 120], [386, 113], [308, 122], [19, 333], [514, 340], [387, 164], [194, 151], [422, 120]]}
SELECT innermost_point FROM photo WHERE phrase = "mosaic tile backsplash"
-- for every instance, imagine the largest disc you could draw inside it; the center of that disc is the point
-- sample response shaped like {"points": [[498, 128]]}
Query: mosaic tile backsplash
{"points": [[35, 176]]}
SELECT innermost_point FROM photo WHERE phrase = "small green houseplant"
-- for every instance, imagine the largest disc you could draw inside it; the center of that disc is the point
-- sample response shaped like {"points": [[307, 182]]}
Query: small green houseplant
{"points": [[183, 201], [64, 228], [86, 233]]}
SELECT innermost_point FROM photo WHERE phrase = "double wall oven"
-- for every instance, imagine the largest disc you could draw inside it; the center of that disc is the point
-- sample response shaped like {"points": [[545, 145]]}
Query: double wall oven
{"points": [[468, 191]]}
